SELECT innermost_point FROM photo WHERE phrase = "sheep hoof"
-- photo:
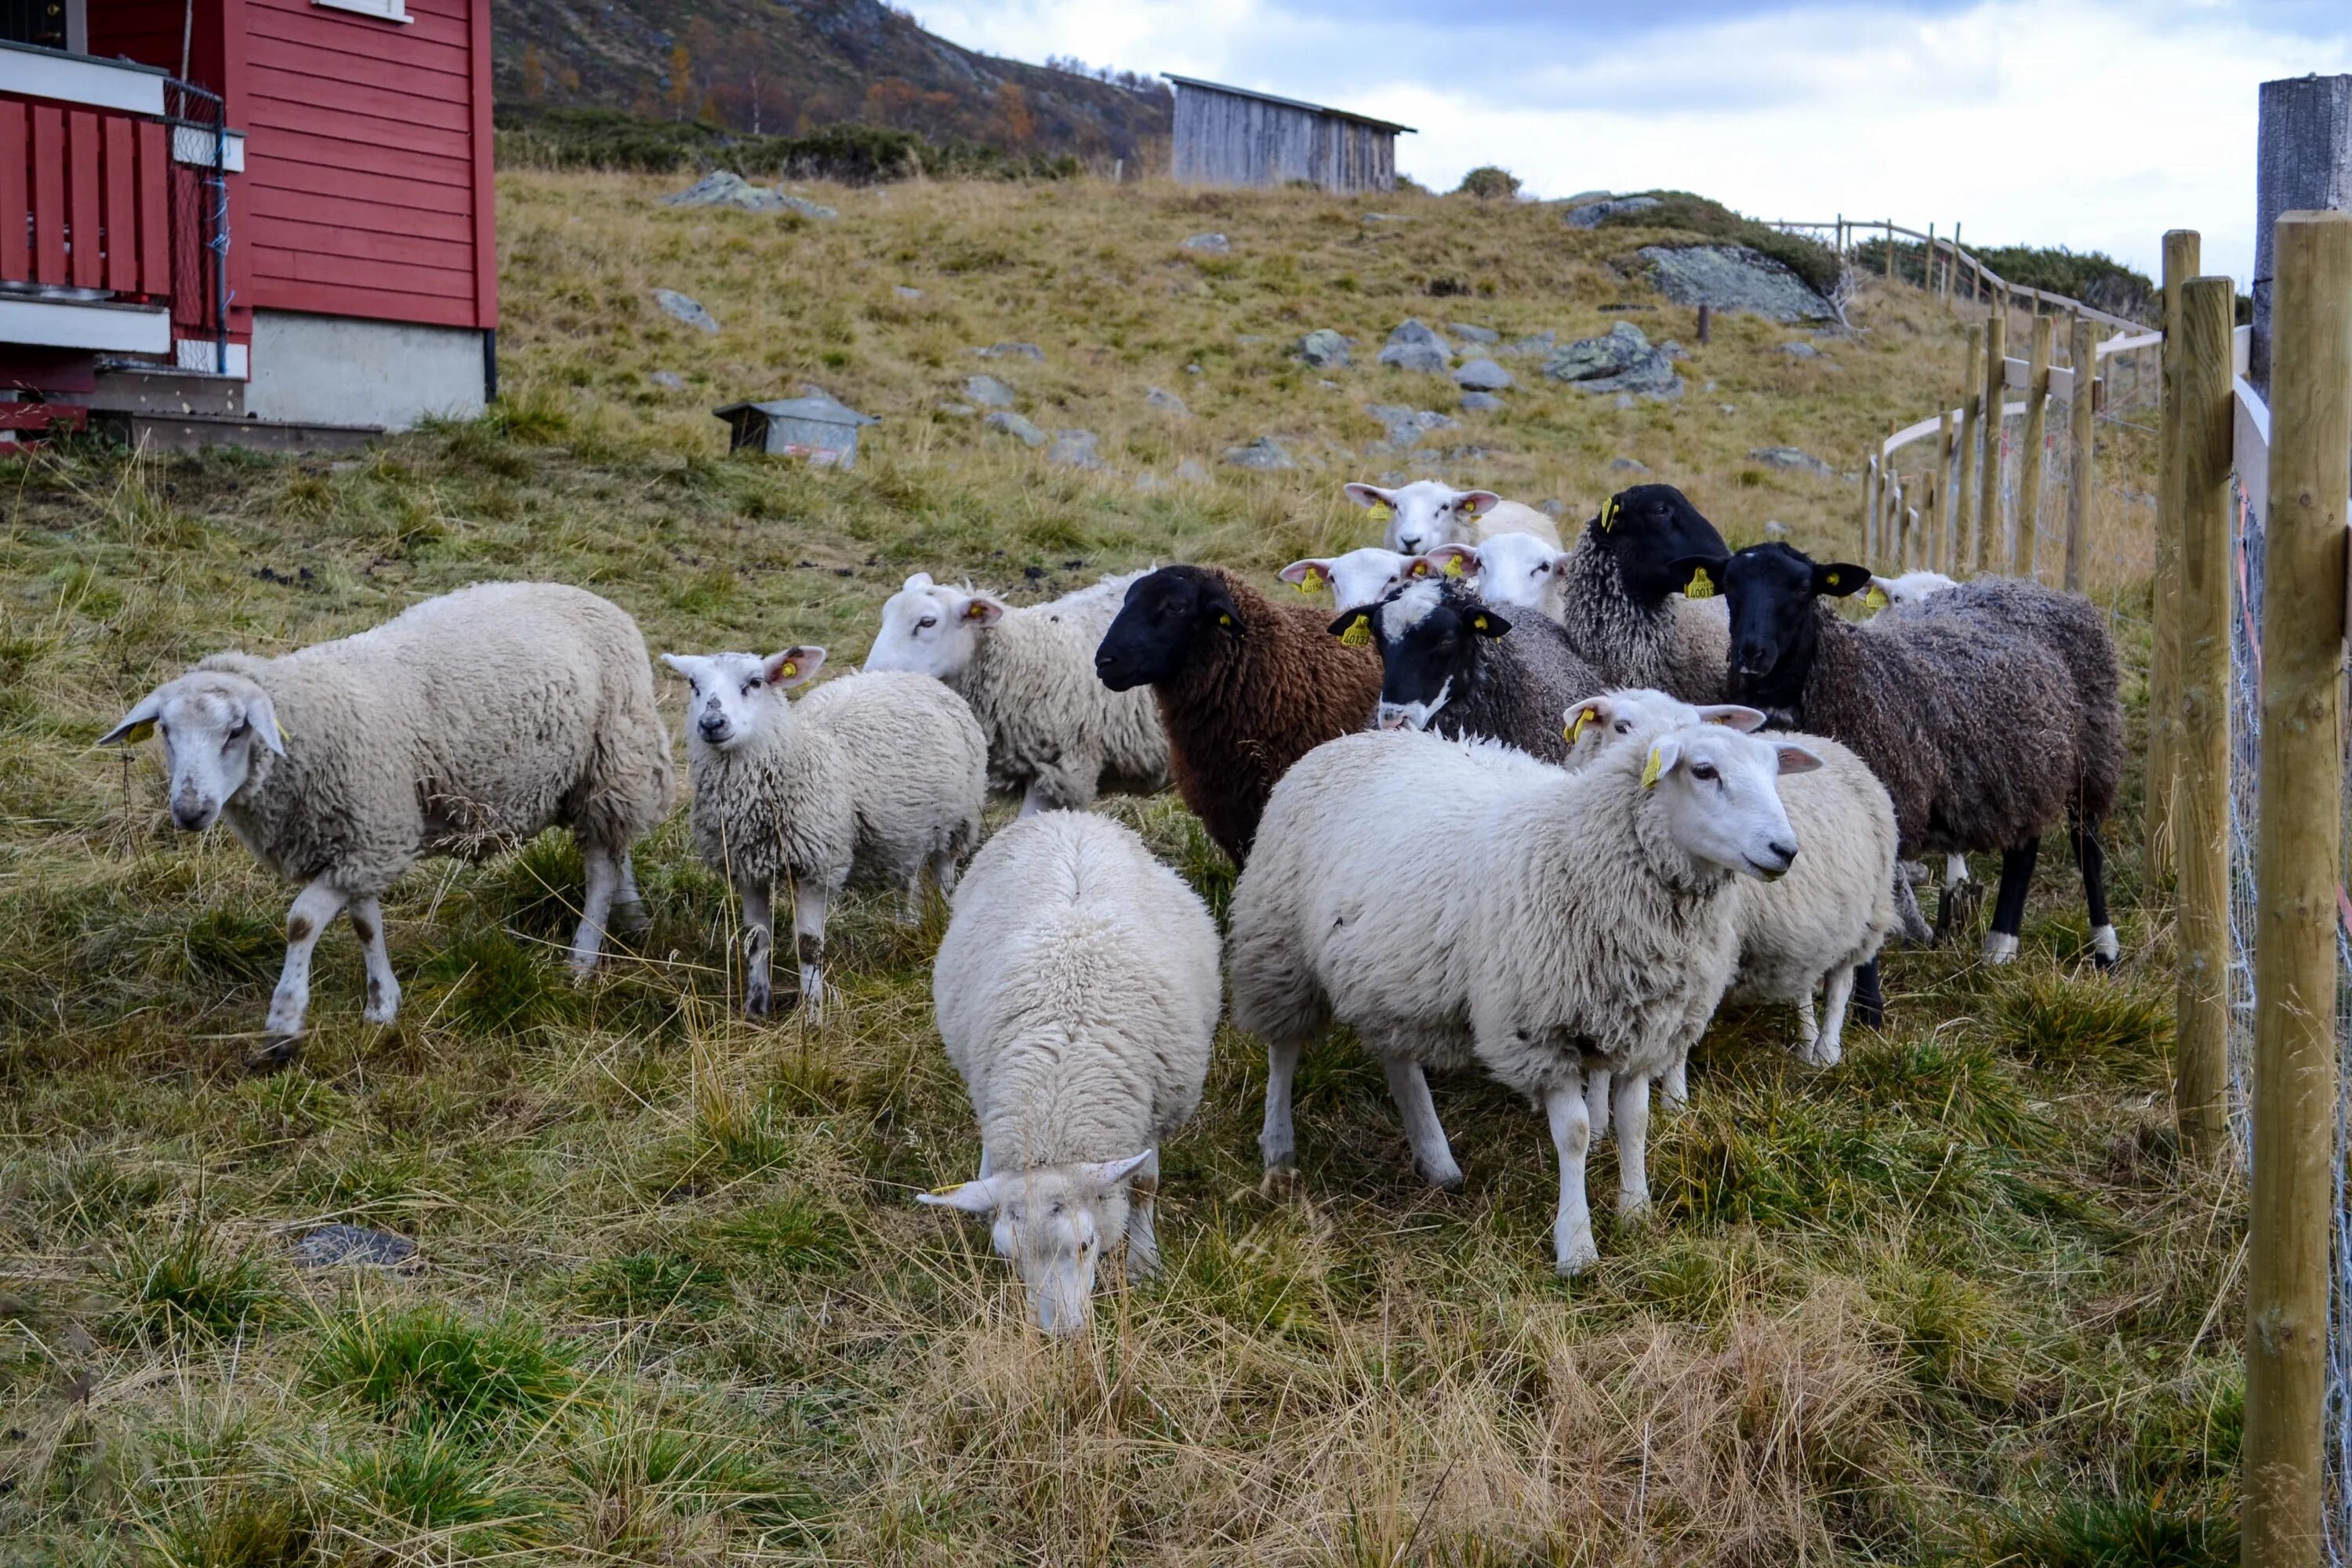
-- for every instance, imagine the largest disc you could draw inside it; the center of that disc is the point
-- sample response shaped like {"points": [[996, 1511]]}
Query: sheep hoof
{"points": [[1445, 1180], [278, 1051], [758, 1005], [629, 918], [1575, 1258], [1281, 1184]]}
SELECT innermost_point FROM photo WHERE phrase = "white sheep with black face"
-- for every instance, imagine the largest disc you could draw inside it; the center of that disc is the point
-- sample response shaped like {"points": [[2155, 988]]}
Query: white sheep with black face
{"points": [[1427, 513], [872, 779], [462, 726], [1076, 993], [1056, 735]]}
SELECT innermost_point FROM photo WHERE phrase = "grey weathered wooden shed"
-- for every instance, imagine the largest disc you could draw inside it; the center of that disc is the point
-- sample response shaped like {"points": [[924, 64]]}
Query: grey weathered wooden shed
{"points": [[1232, 136]]}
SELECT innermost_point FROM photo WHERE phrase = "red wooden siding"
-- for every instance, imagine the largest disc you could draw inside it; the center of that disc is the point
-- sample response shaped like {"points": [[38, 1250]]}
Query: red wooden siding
{"points": [[367, 190], [82, 199]]}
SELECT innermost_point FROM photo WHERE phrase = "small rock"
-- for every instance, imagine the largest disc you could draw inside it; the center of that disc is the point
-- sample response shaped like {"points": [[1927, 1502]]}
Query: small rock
{"points": [[1212, 243], [669, 380], [351, 1246], [1793, 459], [1624, 400], [1017, 427], [1387, 217], [686, 309], [960, 410], [1323, 348], [1591, 214], [1466, 453], [1482, 403], [1539, 346], [906, 293], [806, 207], [1414, 346], [1326, 385], [1800, 349], [1012, 350], [1165, 401], [1728, 407], [1193, 471], [1628, 466], [1485, 337], [1776, 529], [1074, 449], [720, 189], [1193, 369], [1482, 375], [988, 392], [1407, 425], [1266, 455], [1248, 338]]}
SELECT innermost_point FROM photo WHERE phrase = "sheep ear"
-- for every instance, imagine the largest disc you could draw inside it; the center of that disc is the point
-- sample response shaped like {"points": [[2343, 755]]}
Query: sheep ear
{"points": [[1700, 575], [1308, 575], [262, 714], [981, 1196], [682, 663], [1449, 561], [1731, 715], [1219, 609], [980, 610], [1796, 759], [1477, 503], [1591, 711], [919, 580], [1487, 624], [1663, 754], [137, 724], [1878, 598], [1108, 1174], [1840, 578], [1366, 496], [1353, 627], [794, 665]]}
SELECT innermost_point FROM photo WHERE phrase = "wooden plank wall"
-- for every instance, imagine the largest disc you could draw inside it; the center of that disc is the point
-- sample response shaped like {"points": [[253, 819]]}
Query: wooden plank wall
{"points": [[1223, 139]]}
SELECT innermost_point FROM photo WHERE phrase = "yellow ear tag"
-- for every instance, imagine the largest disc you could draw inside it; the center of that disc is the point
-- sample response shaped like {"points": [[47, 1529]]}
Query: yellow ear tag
{"points": [[1312, 581], [1358, 632], [1702, 586], [974, 610], [139, 731], [1454, 566], [1651, 769], [282, 735], [789, 670], [1224, 620], [1608, 514], [1875, 599], [951, 1190], [1381, 511], [1478, 624], [1575, 733], [1830, 579]]}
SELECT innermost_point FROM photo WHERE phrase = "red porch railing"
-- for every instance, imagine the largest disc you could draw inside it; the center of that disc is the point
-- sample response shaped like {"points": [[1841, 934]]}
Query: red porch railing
{"points": [[84, 199]]}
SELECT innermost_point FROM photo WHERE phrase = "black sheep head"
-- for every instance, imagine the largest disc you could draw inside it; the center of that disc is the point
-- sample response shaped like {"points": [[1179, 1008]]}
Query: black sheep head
{"points": [[1774, 630], [1647, 529], [1429, 633], [1167, 614]]}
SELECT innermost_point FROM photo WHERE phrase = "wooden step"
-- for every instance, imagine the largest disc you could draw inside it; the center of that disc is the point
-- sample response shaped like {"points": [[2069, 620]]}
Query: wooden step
{"points": [[194, 432], [127, 389]]}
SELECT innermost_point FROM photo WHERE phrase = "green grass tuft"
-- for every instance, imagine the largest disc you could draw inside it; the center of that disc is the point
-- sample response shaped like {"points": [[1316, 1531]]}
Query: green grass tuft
{"points": [[195, 1285], [430, 1369]]}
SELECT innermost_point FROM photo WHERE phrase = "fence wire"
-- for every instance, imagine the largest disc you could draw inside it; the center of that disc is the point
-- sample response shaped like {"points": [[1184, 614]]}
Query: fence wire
{"points": [[2245, 769]]}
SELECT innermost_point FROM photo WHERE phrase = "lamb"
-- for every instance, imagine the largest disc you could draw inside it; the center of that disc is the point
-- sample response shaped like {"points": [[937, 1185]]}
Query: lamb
{"points": [[1425, 514], [1054, 735], [1451, 663], [1076, 991], [870, 779], [1581, 922], [1245, 688], [1811, 930], [462, 726], [1618, 589], [1358, 578], [1910, 588], [1990, 712]]}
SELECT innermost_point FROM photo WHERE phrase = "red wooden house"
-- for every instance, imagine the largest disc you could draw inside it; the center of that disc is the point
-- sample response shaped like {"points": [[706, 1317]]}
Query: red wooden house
{"points": [[230, 219]]}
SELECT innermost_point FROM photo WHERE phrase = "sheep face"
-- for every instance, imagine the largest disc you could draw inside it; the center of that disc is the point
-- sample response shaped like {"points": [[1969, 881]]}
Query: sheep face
{"points": [[1911, 588], [1425, 513], [932, 629], [1598, 724], [732, 697], [211, 723], [1359, 577], [1720, 794], [1774, 629], [1049, 1222], [1648, 529], [1428, 635], [1515, 571], [1152, 637]]}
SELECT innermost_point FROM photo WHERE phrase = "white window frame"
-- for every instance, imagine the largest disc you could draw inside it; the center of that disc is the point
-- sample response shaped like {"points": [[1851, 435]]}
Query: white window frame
{"points": [[382, 10]]}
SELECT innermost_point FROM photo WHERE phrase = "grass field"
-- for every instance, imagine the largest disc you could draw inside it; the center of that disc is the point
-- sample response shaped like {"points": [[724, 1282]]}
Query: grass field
{"points": [[1952, 1301]]}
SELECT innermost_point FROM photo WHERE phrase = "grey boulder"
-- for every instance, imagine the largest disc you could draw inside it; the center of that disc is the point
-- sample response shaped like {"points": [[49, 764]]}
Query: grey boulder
{"points": [[1482, 403], [1012, 350], [1165, 401], [1017, 427], [1734, 278], [1621, 361], [1323, 349], [1592, 214], [1406, 426], [719, 188], [805, 208], [1794, 460], [1415, 346], [1265, 454], [685, 307], [1538, 346], [988, 392], [351, 1246], [1074, 449], [669, 380], [1212, 243], [1485, 337], [1482, 375]]}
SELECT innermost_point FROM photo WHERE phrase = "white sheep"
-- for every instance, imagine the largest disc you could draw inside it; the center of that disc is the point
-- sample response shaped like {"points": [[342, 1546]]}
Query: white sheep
{"points": [[1515, 571], [1910, 588], [1076, 991], [1810, 930], [1359, 577], [1574, 921], [1055, 733], [871, 778], [463, 726], [1427, 513]]}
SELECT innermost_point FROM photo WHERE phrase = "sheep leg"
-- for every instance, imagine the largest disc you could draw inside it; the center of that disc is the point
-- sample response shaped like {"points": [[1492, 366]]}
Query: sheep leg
{"points": [[314, 907], [1572, 1135], [1277, 1141], [1142, 1240], [2092, 857], [1809, 1029], [2009, 905], [1674, 1087], [628, 916], [1409, 1087], [809, 901], [1596, 1101], [383, 986], [759, 941], [1869, 1002], [1831, 1045], [1632, 1098], [943, 872], [595, 906]]}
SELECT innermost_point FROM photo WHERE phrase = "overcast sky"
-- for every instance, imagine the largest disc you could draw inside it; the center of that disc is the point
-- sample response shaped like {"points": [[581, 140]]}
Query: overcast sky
{"points": [[2093, 123]]}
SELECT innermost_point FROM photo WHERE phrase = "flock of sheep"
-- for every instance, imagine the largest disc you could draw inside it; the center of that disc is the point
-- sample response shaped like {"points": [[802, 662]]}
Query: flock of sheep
{"points": [[1531, 808]]}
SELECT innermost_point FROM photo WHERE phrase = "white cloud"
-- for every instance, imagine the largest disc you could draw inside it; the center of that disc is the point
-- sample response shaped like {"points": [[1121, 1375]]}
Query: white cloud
{"points": [[2093, 123]]}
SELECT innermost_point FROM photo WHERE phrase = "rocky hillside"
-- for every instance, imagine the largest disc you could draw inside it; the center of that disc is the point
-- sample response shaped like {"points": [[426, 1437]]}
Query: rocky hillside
{"points": [[791, 66]]}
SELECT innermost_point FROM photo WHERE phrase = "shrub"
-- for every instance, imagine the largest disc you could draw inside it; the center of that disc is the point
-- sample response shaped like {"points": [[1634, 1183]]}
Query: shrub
{"points": [[852, 154], [1488, 184], [1808, 259]]}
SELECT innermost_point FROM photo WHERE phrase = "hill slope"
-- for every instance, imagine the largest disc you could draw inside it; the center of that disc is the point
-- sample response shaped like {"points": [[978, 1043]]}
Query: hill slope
{"points": [[795, 65]]}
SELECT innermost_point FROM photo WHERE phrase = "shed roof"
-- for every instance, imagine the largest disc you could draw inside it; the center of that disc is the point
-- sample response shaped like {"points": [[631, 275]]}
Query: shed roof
{"points": [[1288, 102]]}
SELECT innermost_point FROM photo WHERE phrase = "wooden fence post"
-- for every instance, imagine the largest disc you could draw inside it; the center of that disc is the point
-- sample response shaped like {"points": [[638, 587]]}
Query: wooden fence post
{"points": [[2082, 436], [2303, 159], [2030, 456], [1890, 250], [1995, 393], [1927, 263], [2295, 868], [1964, 517], [1869, 503], [1951, 273], [1942, 498], [2180, 252], [2200, 806], [1913, 539]]}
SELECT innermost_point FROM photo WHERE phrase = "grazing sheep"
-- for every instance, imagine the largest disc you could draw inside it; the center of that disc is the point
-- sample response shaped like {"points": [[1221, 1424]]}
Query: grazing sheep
{"points": [[1246, 687], [1359, 577], [462, 726], [1055, 733], [1622, 593], [1578, 922], [1811, 930], [1989, 712], [1451, 664], [1425, 514], [869, 778], [1076, 991], [1513, 572]]}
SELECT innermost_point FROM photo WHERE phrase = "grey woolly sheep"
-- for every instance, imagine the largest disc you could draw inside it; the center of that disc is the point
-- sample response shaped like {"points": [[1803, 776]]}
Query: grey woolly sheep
{"points": [[869, 780], [462, 726], [1452, 664], [1078, 992], [1623, 600]]}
